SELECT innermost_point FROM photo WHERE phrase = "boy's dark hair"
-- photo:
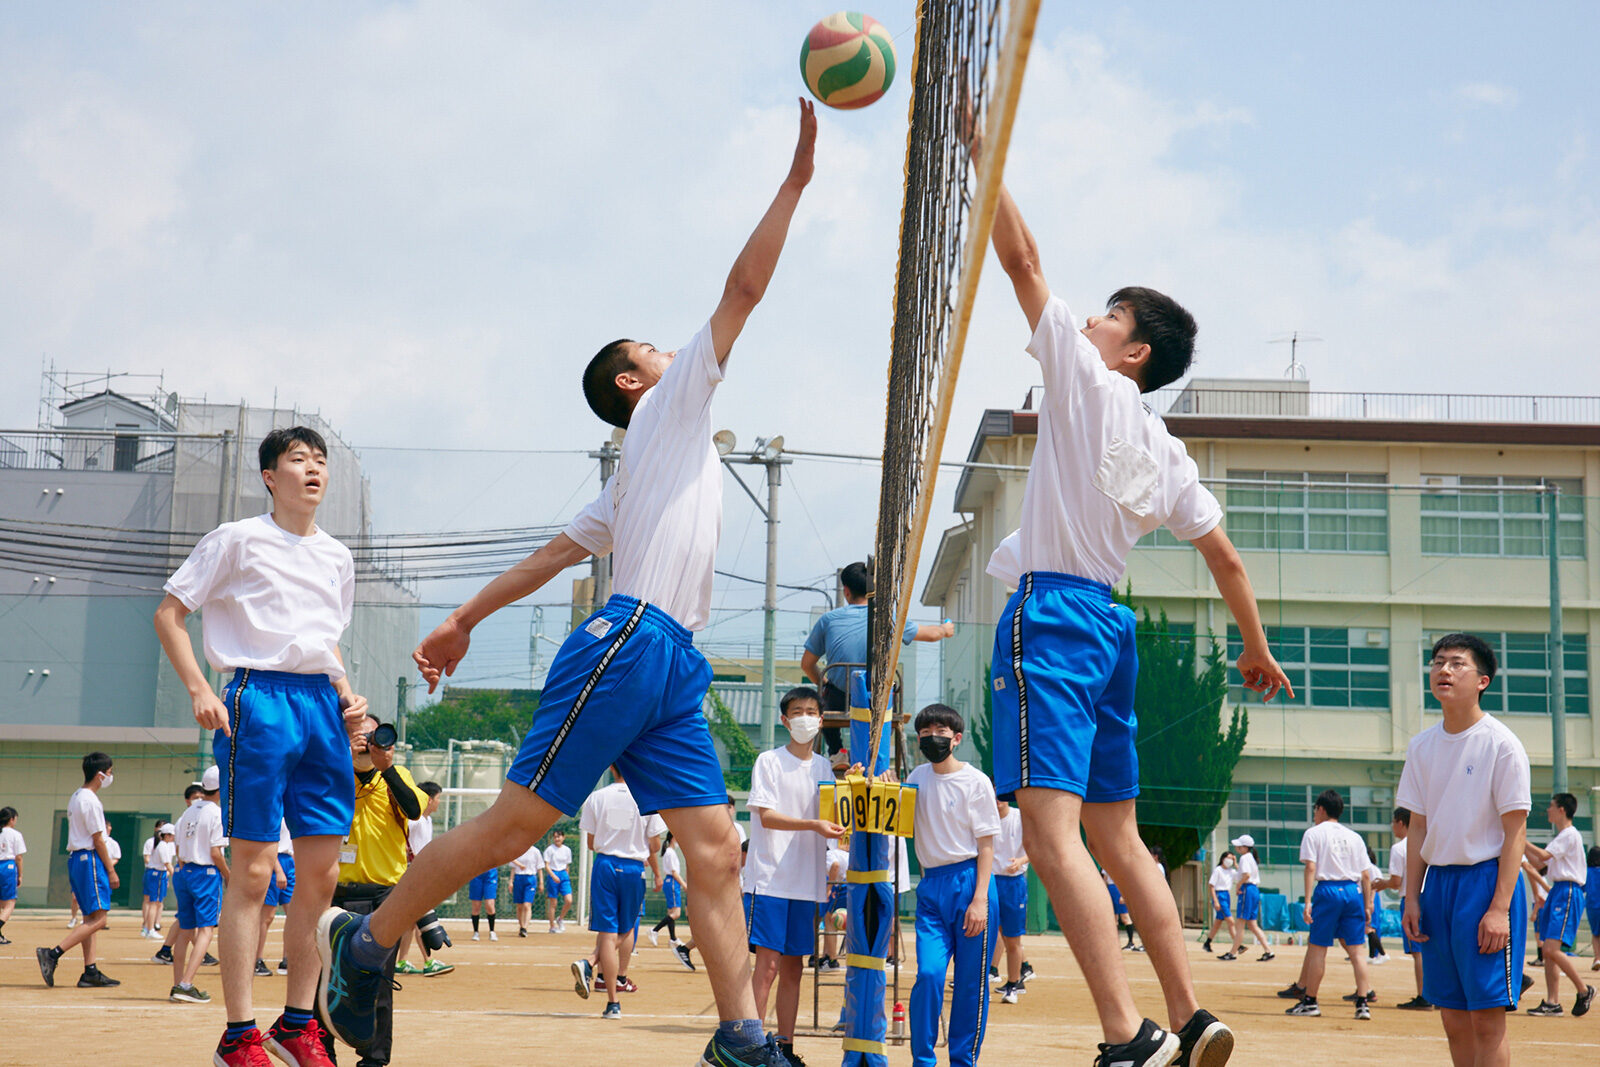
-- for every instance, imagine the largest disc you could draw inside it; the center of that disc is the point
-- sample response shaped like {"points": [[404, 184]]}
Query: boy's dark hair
{"points": [[1331, 802], [433, 789], [1403, 817], [1567, 803], [8, 815], [192, 790], [799, 692], [1594, 856], [1162, 323], [856, 579], [940, 715], [93, 764], [600, 383], [277, 443], [1480, 650], [558, 830]]}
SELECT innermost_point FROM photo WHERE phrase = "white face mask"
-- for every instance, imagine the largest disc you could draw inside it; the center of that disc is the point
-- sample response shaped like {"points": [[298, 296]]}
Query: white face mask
{"points": [[804, 727], [106, 777], [1228, 862]]}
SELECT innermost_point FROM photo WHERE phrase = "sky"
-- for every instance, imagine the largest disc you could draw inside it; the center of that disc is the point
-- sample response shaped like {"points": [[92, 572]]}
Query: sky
{"points": [[421, 219]]}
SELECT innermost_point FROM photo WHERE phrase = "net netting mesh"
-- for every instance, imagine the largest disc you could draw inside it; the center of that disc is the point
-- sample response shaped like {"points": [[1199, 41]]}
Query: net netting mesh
{"points": [[967, 72]]}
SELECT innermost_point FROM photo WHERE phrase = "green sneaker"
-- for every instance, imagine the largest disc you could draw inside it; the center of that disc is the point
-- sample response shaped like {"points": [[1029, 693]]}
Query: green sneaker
{"points": [[433, 968], [407, 967]]}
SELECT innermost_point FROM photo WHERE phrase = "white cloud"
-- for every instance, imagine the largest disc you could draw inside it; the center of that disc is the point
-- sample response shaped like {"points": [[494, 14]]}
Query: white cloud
{"points": [[1488, 94]]}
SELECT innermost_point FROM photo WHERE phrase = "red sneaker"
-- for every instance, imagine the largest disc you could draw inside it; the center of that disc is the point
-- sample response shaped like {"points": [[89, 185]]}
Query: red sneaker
{"points": [[625, 985], [298, 1048], [245, 1052]]}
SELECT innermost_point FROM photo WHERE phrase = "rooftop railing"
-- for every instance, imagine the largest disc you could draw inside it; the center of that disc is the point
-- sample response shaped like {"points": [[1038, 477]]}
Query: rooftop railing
{"points": [[1393, 407]]}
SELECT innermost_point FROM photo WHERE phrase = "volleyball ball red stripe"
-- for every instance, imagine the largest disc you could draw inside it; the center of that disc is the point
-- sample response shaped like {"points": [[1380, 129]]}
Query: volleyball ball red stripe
{"points": [[847, 60]]}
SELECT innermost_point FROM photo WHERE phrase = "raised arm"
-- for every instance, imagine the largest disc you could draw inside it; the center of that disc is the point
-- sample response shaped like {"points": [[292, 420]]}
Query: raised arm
{"points": [[747, 281], [1019, 258], [1256, 663]]}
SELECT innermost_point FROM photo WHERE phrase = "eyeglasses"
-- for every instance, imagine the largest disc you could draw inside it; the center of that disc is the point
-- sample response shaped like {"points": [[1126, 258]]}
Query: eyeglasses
{"points": [[1452, 666]]}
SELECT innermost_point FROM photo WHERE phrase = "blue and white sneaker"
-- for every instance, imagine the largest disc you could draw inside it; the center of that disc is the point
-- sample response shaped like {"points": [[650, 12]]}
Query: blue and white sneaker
{"points": [[720, 1053], [346, 993]]}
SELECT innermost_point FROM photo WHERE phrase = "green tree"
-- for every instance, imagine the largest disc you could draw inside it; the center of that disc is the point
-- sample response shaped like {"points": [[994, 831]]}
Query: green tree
{"points": [[982, 732], [471, 715], [1186, 757], [741, 752]]}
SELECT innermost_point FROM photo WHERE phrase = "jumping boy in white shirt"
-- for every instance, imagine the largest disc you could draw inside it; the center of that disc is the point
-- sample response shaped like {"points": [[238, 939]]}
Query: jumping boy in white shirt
{"points": [[1466, 783], [92, 872], [1563, 860]]}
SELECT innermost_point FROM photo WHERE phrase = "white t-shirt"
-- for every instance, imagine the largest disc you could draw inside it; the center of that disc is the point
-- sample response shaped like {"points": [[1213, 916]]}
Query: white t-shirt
{"points": [[1249, 870], [786, 863], [1397, 862], [671, 865], [744, 835], [199, 830], [660, 515], [85, 817], [1105, 471], [11, 843], [1008, 844], [530, 862], [557, 858], [612, 816], [1222, 878], [113, 849], [271, 600], [1463, 783], [1337, 850], [419, 832], [285, 842], [954, 811], [158, 854], [1566, 857]]}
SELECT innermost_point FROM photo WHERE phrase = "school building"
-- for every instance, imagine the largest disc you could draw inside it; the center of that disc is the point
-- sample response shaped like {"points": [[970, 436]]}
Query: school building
{"points": [[97, 507], [1370, 524]]}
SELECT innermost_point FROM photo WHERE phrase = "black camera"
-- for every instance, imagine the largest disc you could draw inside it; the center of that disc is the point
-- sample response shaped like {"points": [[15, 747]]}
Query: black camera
{"points": [[430, 931], [383, 735]]}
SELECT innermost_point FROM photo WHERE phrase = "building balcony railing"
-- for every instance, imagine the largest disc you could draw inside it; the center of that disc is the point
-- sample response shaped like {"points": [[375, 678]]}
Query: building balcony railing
{"points": [[1289, 402], [139, 451]]}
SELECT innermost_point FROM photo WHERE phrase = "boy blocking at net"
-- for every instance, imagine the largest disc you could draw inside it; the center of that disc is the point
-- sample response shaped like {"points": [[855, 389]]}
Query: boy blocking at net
{"points": [[627, 685], [1105, 472], [277, 593], [1466, 783]]}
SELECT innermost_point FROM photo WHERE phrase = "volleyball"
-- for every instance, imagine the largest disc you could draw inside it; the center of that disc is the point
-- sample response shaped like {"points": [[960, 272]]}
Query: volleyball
{"points": [[847, 60]]}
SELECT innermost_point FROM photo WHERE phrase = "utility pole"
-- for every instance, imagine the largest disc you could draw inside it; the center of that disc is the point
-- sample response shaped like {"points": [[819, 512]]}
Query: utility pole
{"points": [[402, 687], [768, 452], [1558, 678], [600, 566]]}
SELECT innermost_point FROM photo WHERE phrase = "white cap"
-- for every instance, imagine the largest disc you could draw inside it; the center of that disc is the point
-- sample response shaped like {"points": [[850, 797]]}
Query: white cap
{"points": [[166, 828], [1244, 841], [211, 781]]}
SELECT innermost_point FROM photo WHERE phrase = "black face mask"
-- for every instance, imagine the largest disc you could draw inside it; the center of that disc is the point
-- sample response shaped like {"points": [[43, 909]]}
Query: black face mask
{"points": [[936, 749]]}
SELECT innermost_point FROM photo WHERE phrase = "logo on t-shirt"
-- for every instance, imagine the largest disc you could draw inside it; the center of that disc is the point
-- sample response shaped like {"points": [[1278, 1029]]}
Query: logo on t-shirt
{"points": [[1469, 768]]}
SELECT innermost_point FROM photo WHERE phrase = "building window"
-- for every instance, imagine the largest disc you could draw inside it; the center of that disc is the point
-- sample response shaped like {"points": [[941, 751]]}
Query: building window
{"points": [[1308, 511], [1522, 685], [1498, 516], [1329, 667], [1161, 537], [1277, 815]]}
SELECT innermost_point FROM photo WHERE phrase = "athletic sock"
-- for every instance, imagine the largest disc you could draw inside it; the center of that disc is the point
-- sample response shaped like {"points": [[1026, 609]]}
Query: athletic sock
{"points": [[365, 951], [742, 1033], [296, 1018], [235, 1031], [475, 919], [491, 922], [55, 953]]}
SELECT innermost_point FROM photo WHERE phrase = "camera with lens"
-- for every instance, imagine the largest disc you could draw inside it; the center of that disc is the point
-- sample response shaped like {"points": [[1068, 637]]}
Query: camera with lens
{"points": [[384, 735], [430, 931]]}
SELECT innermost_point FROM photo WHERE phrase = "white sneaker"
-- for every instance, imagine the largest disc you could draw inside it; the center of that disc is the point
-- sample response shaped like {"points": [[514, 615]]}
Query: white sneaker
{"points": [[74, 921], [561, 926], [475, 936], [655, 938], [493, 936], [1378, 961]]}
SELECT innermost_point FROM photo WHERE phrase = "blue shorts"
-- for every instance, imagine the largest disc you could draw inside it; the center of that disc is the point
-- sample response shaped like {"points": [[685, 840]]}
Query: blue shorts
{"points": [[673, 892], [485, 886], [787, 927], [1117, 906], [276, 896], [288, 758], [155, 884], [8, 879], [1338, 914], [626, 688], [1011, 895], [616, 892], [1065, 667], [558, 883], [91, 885], [1249, 902], [838, 897], [1222, 904], [1412, 948], [524, 887], [1454, 973], [199, 890], [1562, 911]]}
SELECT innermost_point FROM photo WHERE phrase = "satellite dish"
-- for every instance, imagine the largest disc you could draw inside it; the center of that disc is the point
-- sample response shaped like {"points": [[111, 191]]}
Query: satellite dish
{"points": [[617, 434], [772, 449], [725, 442]]}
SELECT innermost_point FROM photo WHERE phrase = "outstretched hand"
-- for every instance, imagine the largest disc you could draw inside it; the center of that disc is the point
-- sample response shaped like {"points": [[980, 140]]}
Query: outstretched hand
{"points": [[441, 651], [805, 146], [1262, 674]]}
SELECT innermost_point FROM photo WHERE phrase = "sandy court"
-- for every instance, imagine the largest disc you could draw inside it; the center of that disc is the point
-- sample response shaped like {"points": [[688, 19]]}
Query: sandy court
{"points": [[512, 1002]]}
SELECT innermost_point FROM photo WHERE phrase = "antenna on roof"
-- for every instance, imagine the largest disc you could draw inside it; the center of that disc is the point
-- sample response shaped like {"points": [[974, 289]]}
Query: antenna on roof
{"points": [[1294, 339]]}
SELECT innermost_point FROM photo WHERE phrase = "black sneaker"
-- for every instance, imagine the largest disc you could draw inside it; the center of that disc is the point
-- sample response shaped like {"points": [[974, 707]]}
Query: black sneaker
{"points": [[1362, 1010], [283, 966], [209, 961], [1585, 999], [1150, 1047], [94, 978], [1267, 955], [262, 970], [1227, 956], [1546, 1008], [791, 1057], [522, 931], [684, 958], [1294, 992], [1204, 1041], [1008, 993], [1027, 970], [994, 972], [1306, 1006], [1371, 997], [47, 964], [346, 993], [1416, 1003], [4, 940], [163, 954], [1206, 944]]}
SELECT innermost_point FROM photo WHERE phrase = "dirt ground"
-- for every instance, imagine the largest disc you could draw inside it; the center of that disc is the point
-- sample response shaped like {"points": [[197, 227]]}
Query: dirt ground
{"points": [[512, 1002]]}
